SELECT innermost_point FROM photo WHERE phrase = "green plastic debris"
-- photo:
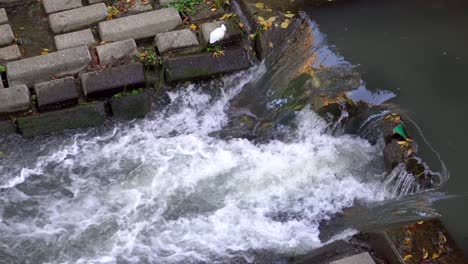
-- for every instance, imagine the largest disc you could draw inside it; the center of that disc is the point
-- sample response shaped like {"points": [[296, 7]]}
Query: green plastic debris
{"points": [[400, 130]]}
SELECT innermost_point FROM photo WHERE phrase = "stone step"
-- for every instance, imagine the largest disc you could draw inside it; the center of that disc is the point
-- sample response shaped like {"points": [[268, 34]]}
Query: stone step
{"points": [[78, 18], [112, 52], [14, 99], [140, 7], [204, 13], [52, 6], [363, 258], [10, 53], [83, 116], [203, 65], [56, 93], [6, 35], [46, 67], [175, 40], [131, 106], [232, 34], [107, 82], [74, 39], [140, 26], [3, 16]]}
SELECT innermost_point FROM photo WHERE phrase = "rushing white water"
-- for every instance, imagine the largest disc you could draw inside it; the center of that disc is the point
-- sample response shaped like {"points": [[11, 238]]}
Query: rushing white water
{"points": [[161, 190]]}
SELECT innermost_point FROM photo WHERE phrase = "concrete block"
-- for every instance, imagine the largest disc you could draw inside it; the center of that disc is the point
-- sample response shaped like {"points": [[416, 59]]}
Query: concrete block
{"points": [[7, 128], [56, 93], [131, 106], [174, 40], [165, 2], [139, 7], [112, 52], [107, 82], [232, 34], [14, 99], [363, 258], [203, 13], [204, 65], [82, 116], [6, 35], [74, 39], [3, 16], [46, 67], [95, 1], [10, 53], [52, 6], [77, 18], [140, 26]]}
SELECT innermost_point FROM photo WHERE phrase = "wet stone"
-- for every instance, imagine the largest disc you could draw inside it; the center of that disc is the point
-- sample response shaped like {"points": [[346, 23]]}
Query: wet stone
{"points": [[140, 7], [10, 53], [95, 1], [74, 39], [70, 20], [56, 93], [6, 35], [203, 65], [175, 40], [3, 16], [107, 82], [131, 106], [363, 258], [112, 52], [203, 13], [7, 128], [140, 26], [52, 6], [14, 99], [232, 34], [83, 116], [46, 67]]}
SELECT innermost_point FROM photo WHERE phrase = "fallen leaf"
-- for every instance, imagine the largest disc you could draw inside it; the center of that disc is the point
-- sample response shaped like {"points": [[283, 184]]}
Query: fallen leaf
{"points": [[425, 253], [289, 15], [270, 44], [407, 257], [45, 50], [435, 255], [285, 24], [269, 10], [213, 9], [193, 27], [271, 19], [420, 222], [226, 16], [407, 240], [241, 25], [260, 5]]}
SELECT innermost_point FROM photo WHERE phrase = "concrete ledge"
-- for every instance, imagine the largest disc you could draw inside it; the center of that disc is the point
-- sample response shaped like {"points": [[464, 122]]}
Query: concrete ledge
{"points": [[74, 39], [10, 53], [6, 35], [43, 68], [3, 16], [112, 52], [140, 26], [362, 258], [131, 106], [52, 6], [14, 99], [233, 33], [107, 82], [82, 116], [203, 13], [56, 93], [77, 18], [175, 40], [139, 7], [204, 65]]}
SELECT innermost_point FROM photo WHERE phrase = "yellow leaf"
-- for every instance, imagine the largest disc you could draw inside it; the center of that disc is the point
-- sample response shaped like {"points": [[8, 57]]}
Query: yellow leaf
{"points": [[289, 15], [261, 19], [226, 16], [435, 255], [407, 257], [285, 24], [426, 254], [270, 44], [241, 25], [420, 222], [213, 9], [47, 50], [271, 19], [252, 36], [269, 10], [407, 240], [193, 27], [259, 5], [444, 238], [44, 52]]}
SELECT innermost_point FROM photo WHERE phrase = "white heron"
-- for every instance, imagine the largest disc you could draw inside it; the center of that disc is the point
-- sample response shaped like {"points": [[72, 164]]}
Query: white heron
{"points": [[217, 34]]}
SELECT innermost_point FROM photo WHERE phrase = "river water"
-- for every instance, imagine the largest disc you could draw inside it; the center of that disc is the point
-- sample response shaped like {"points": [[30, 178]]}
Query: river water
{"points": [[164, 190], [418, 50]]}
